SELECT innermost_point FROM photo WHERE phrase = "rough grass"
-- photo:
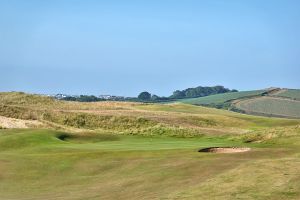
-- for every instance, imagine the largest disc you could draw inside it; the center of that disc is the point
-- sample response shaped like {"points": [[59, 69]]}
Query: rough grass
{"points": [[269, 134], [133, 118], [90, 121], [20, 98], [112, 150], [219, 117], [18, 112]]}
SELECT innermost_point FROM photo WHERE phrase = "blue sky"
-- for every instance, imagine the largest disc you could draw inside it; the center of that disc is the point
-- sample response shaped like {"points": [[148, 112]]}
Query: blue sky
{"points": [[125, 47]]}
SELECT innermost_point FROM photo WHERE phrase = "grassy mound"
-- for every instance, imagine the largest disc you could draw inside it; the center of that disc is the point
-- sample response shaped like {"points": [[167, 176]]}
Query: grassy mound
{"points": [[176, 119], [21, 98]]}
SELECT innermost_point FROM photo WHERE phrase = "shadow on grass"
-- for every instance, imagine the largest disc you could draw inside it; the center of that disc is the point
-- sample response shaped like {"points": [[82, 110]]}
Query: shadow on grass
{"points": [[86, 137]]}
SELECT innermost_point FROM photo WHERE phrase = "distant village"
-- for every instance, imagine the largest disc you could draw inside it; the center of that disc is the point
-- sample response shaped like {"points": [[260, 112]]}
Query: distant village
{"points": [[92, 97]]}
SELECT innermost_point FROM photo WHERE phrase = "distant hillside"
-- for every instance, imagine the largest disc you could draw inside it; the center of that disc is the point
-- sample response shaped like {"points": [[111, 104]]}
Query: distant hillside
{"points": [[222, 100], [289, 93], [270, 106], [273, 102]]}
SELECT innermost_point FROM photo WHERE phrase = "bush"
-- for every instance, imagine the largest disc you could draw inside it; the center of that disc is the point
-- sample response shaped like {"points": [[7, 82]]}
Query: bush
{"points": [[144, 96]]}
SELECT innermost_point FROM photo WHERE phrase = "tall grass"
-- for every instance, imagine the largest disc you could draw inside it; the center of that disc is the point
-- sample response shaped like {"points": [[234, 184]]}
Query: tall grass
{"points": [[18, 112], [131, 118], [20, 98]]}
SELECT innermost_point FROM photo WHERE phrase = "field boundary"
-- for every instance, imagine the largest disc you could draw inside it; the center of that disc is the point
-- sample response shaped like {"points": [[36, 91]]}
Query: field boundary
{"points": [[237, 108]]}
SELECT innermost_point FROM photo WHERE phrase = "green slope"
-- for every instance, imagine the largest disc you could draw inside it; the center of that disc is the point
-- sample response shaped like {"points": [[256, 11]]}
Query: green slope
{"points": [[272, 102], [36, 164], [271, 106], [220, 99], [102, 159], [290, 93]]}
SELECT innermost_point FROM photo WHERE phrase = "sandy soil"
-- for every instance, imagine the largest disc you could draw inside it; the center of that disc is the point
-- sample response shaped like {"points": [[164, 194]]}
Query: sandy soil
{"points": [[6, 122], [225, 149]]}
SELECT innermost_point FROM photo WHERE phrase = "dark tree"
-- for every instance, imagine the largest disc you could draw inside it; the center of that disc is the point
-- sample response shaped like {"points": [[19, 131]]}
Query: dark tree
{"points": [[178, 94], [144, 96], [155, 97]]}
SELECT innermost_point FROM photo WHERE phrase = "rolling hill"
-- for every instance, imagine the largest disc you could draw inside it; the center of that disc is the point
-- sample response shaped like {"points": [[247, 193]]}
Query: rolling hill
{"points": [[52, 149], [273, 102], [289, 93], [220, 100], [270, 106]]}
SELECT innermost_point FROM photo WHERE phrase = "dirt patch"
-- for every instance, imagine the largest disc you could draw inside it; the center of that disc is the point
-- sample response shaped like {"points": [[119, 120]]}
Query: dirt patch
{"points": [[6, 122], [224, 149]]}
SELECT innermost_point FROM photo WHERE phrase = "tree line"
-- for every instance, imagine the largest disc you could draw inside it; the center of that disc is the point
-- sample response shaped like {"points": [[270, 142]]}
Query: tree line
{"points": [[187, 93], [148, 97]]}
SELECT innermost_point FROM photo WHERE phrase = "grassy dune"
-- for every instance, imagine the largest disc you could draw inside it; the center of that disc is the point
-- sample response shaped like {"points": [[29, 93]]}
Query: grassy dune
{"points": [[132, 118], [111, 150]]}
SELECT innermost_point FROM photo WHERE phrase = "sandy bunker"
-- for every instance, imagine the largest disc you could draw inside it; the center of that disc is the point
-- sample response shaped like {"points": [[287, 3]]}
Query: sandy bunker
{"points": [[224, 149]]}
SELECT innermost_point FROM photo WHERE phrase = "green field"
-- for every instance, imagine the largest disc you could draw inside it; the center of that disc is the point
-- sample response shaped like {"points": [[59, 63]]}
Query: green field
{"points": [[271, 106], [274, 102], [35, 164], [290, 93], [120, 150], [220, 99]]}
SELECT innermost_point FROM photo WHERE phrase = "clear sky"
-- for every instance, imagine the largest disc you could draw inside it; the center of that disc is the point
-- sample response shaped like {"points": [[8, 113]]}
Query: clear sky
{"points": [[123, 47]]}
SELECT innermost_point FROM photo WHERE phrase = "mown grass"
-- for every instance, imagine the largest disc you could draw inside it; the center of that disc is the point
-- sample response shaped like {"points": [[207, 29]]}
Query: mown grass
{"points": [[38, 164]]}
